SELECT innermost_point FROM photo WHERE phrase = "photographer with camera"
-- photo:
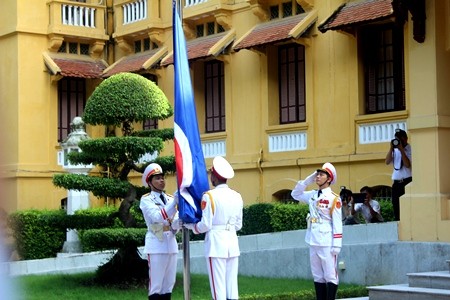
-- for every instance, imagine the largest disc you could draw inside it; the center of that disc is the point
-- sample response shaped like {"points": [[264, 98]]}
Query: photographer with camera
{"points": [[360, 203], [399, 155], [370, 209], [346, 197]]}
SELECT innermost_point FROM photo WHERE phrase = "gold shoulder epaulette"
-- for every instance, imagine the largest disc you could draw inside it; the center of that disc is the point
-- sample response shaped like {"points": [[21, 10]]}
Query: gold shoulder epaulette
{"points": [[337, 195], [146, 194], [169, 195]]}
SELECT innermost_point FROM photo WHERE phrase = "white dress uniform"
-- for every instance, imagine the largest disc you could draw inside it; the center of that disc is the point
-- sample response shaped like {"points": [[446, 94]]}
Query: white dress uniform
{"points": [[324, 230], [221, 217], [160, 243]]}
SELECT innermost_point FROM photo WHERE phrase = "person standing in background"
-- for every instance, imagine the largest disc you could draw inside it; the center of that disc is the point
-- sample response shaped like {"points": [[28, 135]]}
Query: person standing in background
{"points": [[370, 209], [324, 229], [161, 216], [399, 155], [222, 210]]}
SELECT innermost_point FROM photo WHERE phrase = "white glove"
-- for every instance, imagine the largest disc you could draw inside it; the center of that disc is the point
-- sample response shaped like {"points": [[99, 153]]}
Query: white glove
{"points": [[310, 179], [177, 224], [175, 197], [335, 251], [190, 226]]}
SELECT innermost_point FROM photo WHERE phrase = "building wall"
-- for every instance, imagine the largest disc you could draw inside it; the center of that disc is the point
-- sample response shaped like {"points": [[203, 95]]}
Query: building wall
{"points": [[427, 198], [334, 109]]}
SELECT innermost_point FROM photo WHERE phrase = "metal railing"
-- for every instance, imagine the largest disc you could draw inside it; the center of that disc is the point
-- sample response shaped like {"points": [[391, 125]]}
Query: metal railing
{"points": [[291, 141], [379, 132], [189, 3], [214, 148], [134, 11], [77, 15]]}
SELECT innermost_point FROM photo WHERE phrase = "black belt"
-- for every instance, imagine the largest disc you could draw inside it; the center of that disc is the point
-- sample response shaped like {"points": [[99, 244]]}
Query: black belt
{"points": [[402, 180]]}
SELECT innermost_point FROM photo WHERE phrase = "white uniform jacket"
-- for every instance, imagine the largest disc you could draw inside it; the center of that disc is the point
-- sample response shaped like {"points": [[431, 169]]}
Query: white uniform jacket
{"points": [[160, 236], [325, 216], [221, 218]]}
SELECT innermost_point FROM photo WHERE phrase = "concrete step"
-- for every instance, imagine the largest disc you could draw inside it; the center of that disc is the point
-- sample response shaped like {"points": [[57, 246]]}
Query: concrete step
{"points": [[357, 298], [433, 280], [405, 292]]}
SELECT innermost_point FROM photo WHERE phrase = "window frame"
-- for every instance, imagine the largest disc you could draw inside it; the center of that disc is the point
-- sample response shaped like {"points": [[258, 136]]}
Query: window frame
{"points": [[214, 81], [71, 103], [288, 104], [377, 78]]}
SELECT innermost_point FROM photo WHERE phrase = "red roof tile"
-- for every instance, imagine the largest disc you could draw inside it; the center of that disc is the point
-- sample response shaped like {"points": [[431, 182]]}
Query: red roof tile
{"points": [[199, 47], [269, 32], [82, 68], [357, 12], [131, 63]]}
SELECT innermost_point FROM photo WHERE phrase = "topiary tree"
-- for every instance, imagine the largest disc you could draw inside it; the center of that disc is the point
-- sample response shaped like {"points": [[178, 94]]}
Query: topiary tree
{"points": [[119, 102]]}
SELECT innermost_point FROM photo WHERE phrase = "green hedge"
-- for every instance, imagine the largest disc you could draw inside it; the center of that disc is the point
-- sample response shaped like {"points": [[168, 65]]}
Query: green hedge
{"points": [[41, 234], [38, 234], [111, 238], [256, 219]]}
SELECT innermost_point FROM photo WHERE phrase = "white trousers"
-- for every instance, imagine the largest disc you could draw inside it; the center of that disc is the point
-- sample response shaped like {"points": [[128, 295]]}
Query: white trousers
{"points": [[223, 277], [323, 264], [162, 272]]}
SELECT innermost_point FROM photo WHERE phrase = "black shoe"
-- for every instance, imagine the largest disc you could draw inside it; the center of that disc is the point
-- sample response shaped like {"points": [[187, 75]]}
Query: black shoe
{"points": [[167, 296], [321, 290], [154, 297]]}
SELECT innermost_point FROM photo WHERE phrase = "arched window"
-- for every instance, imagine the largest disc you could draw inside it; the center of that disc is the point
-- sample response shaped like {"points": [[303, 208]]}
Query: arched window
{"points": [[284, 196]]}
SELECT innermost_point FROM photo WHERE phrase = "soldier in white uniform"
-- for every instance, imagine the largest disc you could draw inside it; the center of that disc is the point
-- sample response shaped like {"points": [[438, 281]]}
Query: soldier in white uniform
{"points": [[222, 217], [161, 217], [324, 234]]}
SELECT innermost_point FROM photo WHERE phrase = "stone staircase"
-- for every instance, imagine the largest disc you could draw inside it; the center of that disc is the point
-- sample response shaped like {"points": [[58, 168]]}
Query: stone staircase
{"points": [[420, 286]]}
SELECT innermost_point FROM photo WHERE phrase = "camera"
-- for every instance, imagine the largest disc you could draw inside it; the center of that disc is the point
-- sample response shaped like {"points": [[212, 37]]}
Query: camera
{"points": [[345, 194], [359, 197], [395, 142]]}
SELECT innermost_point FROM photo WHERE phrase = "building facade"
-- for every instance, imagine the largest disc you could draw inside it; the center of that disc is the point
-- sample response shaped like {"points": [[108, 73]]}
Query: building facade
{"points": [[281, 86]]}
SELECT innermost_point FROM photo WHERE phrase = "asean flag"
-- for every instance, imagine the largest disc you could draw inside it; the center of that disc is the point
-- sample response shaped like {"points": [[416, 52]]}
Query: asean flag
{"points": [[192, 177]]}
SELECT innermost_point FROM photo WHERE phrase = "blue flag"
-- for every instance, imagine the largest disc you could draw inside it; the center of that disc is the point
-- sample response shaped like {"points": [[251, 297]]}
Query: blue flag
{"points": [[192, 177]]}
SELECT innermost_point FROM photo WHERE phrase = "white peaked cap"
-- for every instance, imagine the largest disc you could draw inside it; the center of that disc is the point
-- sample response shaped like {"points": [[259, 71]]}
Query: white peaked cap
{"points": [[150, 170], [330, 170], [222, 168]]}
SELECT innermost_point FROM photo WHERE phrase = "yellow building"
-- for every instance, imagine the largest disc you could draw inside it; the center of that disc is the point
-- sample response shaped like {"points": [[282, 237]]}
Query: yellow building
{"points": [[281, 86]]}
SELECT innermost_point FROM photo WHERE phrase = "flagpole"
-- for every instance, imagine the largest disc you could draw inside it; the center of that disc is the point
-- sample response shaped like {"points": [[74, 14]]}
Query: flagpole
{"points": [[186, 265], [185, 231], [192, 178]]}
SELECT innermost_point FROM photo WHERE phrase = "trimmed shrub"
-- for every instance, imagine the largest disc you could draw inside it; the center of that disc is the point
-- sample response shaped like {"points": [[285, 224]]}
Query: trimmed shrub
{"points": [[286, 217], [38, 234], [256, 219], [111, 238]]}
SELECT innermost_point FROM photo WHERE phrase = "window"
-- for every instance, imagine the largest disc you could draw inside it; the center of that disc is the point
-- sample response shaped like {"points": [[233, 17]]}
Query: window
{"points": [[284, 196], [214, 96], [285, 9], [74, 48], [208, 28], [291, 78], [382, 50], [144, 45], [71, 103]]}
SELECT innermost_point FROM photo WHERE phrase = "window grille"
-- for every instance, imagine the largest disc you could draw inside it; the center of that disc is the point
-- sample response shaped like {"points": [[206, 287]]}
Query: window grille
{"points": [[71, 103], [214, 96], [384, 68], [291, 78]]}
